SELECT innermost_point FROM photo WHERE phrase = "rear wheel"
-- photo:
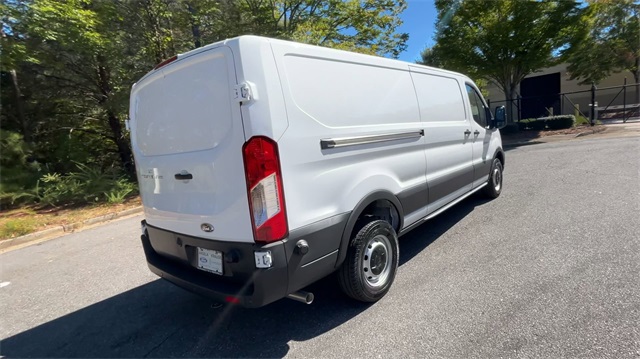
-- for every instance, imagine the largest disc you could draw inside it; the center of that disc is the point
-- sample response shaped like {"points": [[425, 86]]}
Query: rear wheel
{"points": [[371, 264], [494, 184]]}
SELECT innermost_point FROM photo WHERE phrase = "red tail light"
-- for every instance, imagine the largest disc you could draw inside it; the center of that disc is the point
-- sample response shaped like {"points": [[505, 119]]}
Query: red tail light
{"points": [[166, 62], [264, 186], [232, 299]]}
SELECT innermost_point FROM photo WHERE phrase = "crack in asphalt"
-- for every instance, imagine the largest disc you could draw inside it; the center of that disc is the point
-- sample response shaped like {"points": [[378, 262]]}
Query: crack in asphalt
{"points": [[160, 344]]}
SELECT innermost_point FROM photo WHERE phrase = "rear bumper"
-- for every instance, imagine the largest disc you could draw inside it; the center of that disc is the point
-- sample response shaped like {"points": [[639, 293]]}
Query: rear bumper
{"points": [[250, 289], [173, 257]]}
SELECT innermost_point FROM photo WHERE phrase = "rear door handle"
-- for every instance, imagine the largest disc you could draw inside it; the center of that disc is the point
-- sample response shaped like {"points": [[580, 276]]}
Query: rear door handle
{"points": [[183, 176], [476, 132], [467, 132]]}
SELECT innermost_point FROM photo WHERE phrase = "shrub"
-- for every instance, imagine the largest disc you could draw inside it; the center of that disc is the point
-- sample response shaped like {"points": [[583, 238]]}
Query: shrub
{"points": [[522, 125], [581, 120], [510, 129], [19, 170], [122, 189], [526, 124], [536, 124], [86, 185], [54, 189], [558, 122]]}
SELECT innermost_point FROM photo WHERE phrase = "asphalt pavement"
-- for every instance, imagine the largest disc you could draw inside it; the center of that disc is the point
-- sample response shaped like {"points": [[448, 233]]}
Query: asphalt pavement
{"points": [[550, 269]]}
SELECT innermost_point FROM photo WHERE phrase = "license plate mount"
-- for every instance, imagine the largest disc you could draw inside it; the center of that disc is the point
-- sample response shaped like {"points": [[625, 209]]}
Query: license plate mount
{"points": [[210, 261]]}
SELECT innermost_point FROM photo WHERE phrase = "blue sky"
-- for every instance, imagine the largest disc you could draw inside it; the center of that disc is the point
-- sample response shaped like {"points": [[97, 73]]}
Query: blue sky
{"points": [[419, 22]]}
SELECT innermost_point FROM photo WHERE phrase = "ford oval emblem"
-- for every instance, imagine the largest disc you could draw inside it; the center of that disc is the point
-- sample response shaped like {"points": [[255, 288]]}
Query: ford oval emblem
{"points": [[206, 227]]}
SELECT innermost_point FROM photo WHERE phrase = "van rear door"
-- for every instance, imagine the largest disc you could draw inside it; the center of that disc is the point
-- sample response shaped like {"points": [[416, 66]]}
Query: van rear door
{"points": [[187, 137]]}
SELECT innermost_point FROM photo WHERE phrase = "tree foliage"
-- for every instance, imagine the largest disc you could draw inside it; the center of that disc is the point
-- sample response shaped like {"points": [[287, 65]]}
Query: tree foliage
{"points": [[607, 40], [500, 40], [67, 66]]}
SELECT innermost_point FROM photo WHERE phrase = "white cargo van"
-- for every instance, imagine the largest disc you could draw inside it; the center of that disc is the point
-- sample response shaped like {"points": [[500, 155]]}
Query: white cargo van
{"points": [[265, 165]]}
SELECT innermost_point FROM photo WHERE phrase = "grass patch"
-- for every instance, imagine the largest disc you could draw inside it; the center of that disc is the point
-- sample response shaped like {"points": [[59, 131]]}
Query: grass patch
{"points": [[583, 121], [21, 221], [18, 227]]}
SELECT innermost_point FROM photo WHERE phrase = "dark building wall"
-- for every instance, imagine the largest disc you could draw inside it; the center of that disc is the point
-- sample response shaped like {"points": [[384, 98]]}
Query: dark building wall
{"points": [[540, 93]]}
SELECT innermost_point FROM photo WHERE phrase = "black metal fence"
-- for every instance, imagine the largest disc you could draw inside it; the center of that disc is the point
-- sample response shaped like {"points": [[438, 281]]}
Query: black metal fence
{"points": [[615, 103]]}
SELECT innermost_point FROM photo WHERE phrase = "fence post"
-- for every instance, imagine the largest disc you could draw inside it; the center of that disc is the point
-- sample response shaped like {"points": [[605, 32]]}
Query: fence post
{"points": [[624, 101], [519, 108], [593, 104]]}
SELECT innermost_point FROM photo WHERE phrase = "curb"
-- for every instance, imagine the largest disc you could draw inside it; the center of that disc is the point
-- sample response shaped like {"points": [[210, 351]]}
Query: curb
{"points": [[521, 143], [540, 140], [590, 132], [57, 231]]}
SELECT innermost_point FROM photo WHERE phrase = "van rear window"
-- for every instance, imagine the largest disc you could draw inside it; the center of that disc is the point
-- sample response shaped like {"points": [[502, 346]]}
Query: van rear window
{"points": [[184, 107]]}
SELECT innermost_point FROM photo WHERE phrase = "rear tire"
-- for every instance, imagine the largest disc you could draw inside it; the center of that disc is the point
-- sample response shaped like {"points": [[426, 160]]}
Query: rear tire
{"points": [[494, 184], [371, 263]]}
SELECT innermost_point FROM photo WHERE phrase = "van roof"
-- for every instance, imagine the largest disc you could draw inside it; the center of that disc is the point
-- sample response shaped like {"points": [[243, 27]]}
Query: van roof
{"points": [[247, 39]]}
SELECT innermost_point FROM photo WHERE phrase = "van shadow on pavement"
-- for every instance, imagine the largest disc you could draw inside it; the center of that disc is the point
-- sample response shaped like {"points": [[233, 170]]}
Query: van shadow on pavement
{"points": [[160, 320]]}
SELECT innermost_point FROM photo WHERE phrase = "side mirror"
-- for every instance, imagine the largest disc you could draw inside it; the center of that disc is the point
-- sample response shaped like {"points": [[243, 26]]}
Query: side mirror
{"points": [[500, 119]]}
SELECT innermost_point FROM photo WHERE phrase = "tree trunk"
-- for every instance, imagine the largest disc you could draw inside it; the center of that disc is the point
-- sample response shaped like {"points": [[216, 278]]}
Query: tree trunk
{"points": [[636, 76], [510, 90], [26, 131], [195, 28], [124, 151]]}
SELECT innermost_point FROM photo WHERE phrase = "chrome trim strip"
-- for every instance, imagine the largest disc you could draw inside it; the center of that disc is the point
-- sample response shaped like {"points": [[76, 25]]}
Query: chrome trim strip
{"points": [[329, 143], [321, 258]]}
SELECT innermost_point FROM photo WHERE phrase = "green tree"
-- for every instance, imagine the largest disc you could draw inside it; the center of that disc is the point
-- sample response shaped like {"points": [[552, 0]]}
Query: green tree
{"points": [[429, 57], [501, 40], [17, 169], [14, 53], [67, 66], [607, 41], [367, 26], [64, 96]]}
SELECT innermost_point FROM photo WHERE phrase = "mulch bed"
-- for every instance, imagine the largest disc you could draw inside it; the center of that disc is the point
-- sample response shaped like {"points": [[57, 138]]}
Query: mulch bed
{"points": [[530, 134]]}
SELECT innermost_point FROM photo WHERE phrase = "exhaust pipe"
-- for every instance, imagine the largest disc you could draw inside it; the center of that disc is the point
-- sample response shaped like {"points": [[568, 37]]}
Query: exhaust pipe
{"points": [[301, 296]]}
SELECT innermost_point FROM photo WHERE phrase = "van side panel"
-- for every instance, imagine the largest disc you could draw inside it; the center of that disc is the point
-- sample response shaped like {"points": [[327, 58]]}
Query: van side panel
{"points": [[342, 96], [449, 150]]}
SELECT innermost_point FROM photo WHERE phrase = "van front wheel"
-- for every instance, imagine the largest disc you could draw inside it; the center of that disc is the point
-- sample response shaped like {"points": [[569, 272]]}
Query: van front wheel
{"points": [[371, 264], [494, 184]]}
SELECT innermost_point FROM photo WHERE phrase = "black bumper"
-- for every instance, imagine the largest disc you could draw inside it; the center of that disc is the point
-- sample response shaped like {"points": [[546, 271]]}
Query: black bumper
{"points": [[173, 256]]}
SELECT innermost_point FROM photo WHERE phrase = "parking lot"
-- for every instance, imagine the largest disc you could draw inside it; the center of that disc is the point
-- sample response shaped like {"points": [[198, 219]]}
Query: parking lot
{"points": [[549, 269]]}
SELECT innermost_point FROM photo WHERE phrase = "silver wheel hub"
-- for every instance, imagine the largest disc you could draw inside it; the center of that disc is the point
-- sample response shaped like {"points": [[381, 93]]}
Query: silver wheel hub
{"points": [[376, 261], [497, 178]]}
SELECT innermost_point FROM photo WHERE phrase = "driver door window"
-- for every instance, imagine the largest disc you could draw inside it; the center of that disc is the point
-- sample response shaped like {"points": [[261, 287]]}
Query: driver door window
{"points": [[478, 110]]}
